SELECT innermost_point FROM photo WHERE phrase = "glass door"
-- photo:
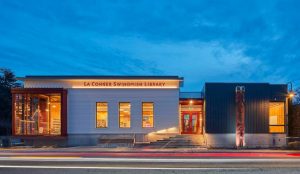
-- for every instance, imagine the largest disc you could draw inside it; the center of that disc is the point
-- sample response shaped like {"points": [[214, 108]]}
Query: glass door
{"points": [[190, 122]]}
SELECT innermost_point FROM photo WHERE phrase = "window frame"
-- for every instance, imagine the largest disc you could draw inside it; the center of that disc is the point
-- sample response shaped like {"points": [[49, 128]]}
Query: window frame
{"points": [[97, 115], [119, 116], [143, 115], [284, 118], [29, 91]]}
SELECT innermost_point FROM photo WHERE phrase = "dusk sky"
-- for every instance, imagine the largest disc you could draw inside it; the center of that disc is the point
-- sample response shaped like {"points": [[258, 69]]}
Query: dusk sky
{"points": [[202, 41]]}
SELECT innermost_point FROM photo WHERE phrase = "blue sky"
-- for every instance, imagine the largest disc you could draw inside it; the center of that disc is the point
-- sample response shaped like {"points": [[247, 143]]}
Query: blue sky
{"points": [[203, 41]]}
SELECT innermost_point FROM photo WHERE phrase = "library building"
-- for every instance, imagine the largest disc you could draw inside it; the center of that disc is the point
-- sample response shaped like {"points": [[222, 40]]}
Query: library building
{"points": [[134, 111]]}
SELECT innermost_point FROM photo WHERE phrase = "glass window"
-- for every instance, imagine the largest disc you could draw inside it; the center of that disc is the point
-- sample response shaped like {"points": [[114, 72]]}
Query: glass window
{"points": [[147, 117], [276, 117], [124, 115], [102, 115], [37, 114], [54, 114]]}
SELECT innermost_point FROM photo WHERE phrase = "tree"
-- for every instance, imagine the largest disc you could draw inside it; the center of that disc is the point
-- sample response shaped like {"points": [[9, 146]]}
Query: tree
{"points": [[7, 81], [296, 99]]}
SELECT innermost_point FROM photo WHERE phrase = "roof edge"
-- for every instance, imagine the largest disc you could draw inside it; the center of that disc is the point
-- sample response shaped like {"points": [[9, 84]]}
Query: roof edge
{"points": [[77, 77]]}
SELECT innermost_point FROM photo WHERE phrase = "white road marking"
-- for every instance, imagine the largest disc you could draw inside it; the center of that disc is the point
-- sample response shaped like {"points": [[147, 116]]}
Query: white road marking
{"points": [[115, 168], [145, 160]]}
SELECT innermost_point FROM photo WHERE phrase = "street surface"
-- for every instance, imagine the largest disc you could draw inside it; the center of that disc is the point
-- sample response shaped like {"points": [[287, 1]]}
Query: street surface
{"points": [[91, 161]]}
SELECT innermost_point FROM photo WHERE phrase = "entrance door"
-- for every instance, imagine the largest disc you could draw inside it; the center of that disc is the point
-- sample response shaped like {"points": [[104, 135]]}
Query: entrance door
{"points": [[190, 122]]}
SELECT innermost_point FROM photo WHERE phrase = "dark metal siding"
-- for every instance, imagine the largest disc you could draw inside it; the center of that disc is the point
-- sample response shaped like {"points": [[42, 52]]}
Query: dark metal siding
{"points": [[220, 106], [278, 92], [257, 108]]}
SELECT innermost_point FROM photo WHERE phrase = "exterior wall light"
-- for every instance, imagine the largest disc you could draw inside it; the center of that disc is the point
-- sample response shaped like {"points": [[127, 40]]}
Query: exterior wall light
{"points": [[191, 102], [291, 93]]}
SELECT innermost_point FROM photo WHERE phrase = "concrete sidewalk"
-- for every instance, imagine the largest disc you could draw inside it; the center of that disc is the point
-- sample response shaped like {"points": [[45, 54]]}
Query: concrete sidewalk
{"points": [[144, 150]]}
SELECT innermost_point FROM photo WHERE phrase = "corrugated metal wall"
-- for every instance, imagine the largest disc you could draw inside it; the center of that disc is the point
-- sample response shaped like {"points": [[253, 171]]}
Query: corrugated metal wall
{"points": [[257, 108], [278, 92], [220, 110], [220, 106]]}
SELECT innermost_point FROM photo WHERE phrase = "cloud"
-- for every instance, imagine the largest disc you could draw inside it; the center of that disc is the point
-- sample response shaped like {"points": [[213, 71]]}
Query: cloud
{"points": [[197, 61], [209, 40]]}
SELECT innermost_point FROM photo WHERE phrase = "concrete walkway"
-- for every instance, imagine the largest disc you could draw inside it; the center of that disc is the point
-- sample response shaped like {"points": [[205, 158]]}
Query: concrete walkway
{"points": [[144, 150]]}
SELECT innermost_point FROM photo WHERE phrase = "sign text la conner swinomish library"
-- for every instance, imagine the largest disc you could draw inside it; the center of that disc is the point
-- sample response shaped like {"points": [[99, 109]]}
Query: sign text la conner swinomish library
{"points": [[135, 84]]}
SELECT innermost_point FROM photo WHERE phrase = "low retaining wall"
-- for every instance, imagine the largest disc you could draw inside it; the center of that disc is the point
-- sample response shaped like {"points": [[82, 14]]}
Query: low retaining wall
{"points": [[100, 140], [251, 140]]}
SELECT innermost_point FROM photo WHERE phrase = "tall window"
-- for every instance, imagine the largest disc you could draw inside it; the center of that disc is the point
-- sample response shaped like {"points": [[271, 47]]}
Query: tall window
{"points": [[37, 114], [124, 115], [276, 117], [147, 116], [102, 115]]}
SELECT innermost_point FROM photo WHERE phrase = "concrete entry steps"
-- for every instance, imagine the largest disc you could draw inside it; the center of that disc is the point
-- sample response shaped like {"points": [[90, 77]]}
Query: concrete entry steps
{"points": [[178, 141]]}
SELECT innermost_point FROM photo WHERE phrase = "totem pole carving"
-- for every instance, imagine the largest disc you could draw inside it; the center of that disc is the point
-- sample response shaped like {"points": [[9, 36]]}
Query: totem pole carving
{"points": [[240, 116]]}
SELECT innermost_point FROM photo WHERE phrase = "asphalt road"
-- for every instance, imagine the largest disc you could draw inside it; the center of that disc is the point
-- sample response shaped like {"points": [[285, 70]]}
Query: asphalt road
{"points": [[70, 161], [76, 165], [147, 171]]}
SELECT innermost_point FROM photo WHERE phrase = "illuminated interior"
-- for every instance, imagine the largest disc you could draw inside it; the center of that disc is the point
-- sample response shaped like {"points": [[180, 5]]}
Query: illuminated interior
{"points": [[191, 116], [276, 117], [196, 108], [102, 114], [37, 114], [124, 115], [148, 115]]}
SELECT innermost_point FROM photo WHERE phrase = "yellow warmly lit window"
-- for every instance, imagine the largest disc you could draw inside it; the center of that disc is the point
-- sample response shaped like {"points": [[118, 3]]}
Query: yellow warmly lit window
{"points": [[102, 114], [37, 114], [124, 115], [276, 117], [55, 116], [147, 114]]}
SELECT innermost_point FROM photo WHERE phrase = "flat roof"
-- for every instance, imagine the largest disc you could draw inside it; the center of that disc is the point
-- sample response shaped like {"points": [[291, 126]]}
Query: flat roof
{"points": [[76, 77], [241, 83]]}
